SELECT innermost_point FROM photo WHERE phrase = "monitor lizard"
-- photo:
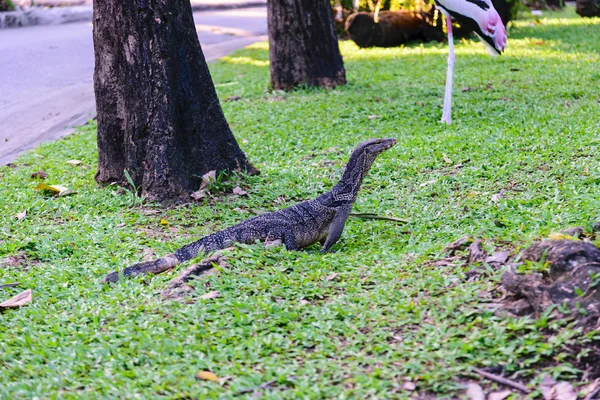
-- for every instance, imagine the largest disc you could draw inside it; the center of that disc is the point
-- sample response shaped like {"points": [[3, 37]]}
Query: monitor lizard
{"points": [[301, 225]]}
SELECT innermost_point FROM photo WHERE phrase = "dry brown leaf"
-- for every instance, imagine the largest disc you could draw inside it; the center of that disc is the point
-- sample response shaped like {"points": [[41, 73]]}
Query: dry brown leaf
{"points": [[475, 392], [458, 244], [499, 395], [74, 162], [560, 236], [39, 175], [149, 254], [21, 215], [207, 179], [207, 376], [332, 276], [499, 257], [199, 194], [19, 300], [56, 190], [211, 295], [238, 191], [476, 252], [563, 391]]}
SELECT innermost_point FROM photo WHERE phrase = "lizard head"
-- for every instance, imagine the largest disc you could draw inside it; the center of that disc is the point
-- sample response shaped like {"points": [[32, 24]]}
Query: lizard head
{"points": [[373, 147], [363, 157]]}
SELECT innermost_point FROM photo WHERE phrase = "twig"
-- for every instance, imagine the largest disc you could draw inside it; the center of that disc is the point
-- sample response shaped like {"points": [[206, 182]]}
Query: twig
{"points": [[375, 216], [592, 395], [503, 381], [7, 285], [255, 388]]}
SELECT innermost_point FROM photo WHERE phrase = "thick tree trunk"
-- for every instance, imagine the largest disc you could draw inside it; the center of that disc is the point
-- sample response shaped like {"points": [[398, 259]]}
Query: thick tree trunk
{"points": [[394, 28], [588, 8], [303, 46], [159, 117]]}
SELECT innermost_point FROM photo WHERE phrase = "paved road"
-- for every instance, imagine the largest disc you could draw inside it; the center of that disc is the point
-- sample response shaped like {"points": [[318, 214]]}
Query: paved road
{"points": [[46, 73]]}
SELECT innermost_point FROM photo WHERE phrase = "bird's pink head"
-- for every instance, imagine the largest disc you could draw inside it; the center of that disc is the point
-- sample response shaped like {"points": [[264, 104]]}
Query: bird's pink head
{"points": [[494, 28]]}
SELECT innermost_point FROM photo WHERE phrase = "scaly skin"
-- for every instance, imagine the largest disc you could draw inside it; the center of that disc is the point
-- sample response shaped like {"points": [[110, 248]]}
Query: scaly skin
{"points": [[301, 225]]}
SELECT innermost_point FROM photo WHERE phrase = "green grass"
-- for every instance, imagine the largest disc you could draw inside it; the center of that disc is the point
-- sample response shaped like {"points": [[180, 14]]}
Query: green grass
{"points": [[528, 126]]}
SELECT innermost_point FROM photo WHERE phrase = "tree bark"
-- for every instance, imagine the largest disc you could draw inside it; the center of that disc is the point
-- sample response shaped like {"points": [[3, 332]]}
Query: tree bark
{"points": [[393, 29], [303, 46], [159, 117]]}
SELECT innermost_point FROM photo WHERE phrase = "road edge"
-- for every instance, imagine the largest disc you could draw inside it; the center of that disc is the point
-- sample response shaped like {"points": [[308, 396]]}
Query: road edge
{"points": [[32, 16]]}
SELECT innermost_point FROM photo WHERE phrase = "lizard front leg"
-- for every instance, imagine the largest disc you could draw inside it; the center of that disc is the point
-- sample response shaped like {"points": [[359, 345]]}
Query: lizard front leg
{"points": [[336, 227]]}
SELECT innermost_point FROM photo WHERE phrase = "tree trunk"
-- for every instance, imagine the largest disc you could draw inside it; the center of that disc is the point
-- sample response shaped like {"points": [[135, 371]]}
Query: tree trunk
{"points": [[303, 46], [588, 8], [393, 29], [159, 117]]}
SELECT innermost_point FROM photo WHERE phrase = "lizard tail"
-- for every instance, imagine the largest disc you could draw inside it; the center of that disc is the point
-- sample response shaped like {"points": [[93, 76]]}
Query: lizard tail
{"points": [[210, 243]]}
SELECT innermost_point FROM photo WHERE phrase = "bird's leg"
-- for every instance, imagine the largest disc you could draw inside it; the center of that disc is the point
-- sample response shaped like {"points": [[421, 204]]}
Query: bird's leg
{"points": [[447, 113]]}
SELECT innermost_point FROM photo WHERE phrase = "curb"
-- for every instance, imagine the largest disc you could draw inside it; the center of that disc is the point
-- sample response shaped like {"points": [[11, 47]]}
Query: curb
{"points": [[44, 16], [31, 16]]}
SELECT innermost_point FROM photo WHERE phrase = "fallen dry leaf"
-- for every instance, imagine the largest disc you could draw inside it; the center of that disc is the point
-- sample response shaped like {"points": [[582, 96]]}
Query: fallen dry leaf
{"points": [[466, 89], [497, 196], [207, 376], [499, 395], [74, 162], [458, 244], [21, 215], [39, 175], [475, 392], [410, 386], [238, 191], [560, 236], [332, 276], [19, 300], [211, 295], [563, 391], [198, 195], [476, 252], [207, 179], [149, 254], [447, 159], [56, 190], [499, 257]]}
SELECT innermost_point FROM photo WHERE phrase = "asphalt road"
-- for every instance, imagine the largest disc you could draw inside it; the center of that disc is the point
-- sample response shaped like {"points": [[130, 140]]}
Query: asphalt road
{"points": [[46, 85]]}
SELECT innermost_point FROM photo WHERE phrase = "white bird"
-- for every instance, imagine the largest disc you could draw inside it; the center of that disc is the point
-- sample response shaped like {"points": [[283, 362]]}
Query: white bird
{"points": [[479, 16]]}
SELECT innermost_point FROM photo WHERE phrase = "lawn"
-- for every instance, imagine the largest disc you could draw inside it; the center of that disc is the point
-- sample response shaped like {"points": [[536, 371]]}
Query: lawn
{"points": [[520, 162]]}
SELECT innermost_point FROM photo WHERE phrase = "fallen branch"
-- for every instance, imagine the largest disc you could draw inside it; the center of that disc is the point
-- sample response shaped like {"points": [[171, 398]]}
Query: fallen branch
{"points": [[502, 380], [254, 389], [7, 285]]}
